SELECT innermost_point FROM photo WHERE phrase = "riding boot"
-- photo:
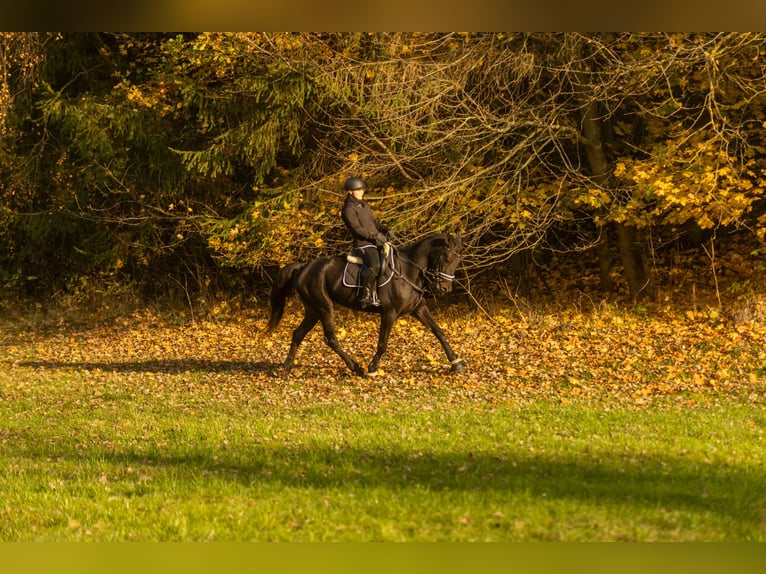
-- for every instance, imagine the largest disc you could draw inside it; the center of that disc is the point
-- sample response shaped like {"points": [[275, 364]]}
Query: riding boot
{"points": [[369, 292]]}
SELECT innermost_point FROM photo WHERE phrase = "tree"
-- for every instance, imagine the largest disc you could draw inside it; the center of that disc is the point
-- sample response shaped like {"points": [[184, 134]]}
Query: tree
{"points": [[701, 160], [670, 129], [451, 129], [90, 185]]}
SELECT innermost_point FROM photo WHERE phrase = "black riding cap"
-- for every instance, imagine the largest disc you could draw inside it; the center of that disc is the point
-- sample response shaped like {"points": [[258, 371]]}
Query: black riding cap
{"points": [[354, 183]]}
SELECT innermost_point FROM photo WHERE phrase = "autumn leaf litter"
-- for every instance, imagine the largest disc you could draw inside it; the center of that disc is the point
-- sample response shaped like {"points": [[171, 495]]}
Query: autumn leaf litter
{"points": [[614, 357]]}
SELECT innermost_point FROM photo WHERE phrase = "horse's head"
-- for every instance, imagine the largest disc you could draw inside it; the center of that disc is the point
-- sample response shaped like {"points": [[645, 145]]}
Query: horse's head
{"points": [[443, 262]]}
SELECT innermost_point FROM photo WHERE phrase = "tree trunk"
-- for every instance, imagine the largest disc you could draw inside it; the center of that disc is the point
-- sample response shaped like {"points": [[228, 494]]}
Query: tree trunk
{"points": [[604, 260], [627, 235], [632, 260]]}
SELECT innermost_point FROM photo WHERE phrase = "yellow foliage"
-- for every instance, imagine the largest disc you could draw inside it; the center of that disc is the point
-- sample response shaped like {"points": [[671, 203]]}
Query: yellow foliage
{"points": [[697, 183]]}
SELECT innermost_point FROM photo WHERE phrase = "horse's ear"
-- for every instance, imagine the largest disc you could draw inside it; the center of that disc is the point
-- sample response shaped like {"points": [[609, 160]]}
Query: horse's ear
{"points": [[455, 241]]}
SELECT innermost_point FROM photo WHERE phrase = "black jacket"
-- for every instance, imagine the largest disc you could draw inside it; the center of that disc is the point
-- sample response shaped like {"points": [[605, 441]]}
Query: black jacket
{"points": [[360, 221]]}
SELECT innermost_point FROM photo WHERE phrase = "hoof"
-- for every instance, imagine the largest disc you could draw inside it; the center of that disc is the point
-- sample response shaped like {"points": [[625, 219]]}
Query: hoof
{"points": [[359, 371], [458, 366]]}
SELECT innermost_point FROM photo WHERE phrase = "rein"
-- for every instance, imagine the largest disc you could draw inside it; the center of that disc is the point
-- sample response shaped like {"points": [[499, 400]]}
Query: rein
{"points": [[428, 274], [400, 275]]}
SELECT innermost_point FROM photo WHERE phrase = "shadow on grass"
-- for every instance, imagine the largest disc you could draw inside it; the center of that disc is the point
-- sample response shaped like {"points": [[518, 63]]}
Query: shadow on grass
{"points": [[162, 366], [735, 494]]}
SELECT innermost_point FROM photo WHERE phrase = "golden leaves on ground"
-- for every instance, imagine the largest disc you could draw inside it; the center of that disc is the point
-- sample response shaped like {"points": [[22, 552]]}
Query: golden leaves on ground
{"points": [[625, 357], [608, 356]]}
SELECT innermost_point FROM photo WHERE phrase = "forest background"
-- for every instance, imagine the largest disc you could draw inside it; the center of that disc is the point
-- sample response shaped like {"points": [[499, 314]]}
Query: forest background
{"points": [[190, 166]]}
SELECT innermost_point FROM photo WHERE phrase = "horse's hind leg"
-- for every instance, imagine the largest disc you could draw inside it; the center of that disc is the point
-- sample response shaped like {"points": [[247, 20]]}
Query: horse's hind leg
{"points": [[309, 320], [386, 324], [328, 326]]}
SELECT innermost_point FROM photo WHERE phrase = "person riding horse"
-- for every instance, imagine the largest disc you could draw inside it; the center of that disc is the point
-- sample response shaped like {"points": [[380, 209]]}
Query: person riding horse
{"points": [[368, 235]]}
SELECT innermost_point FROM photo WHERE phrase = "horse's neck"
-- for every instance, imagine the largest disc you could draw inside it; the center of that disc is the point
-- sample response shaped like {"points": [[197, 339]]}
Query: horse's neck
{"points": [[416, 261]]}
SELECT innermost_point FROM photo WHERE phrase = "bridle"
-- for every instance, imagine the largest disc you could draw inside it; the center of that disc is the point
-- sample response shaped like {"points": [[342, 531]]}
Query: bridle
{"points": [[430, 276]]}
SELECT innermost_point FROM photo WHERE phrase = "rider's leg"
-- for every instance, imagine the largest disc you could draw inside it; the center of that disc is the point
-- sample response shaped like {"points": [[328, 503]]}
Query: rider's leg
{"points": [[370, 277]]}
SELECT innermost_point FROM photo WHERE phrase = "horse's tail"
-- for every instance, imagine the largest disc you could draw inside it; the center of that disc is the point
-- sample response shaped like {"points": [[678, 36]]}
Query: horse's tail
{"points": [[280, 291]]}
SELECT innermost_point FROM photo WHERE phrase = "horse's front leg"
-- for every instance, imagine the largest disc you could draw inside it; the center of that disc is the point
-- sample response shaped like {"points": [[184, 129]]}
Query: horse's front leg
{"points": [[387, 319], [422, 314]]}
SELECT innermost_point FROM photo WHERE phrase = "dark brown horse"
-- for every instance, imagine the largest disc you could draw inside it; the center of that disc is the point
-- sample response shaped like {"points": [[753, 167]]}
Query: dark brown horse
{"points": [[427, 264]]}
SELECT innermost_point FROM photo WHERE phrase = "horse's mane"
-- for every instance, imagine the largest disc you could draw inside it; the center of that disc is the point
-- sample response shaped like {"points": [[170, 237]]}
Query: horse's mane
{"points": [[418, 245]]}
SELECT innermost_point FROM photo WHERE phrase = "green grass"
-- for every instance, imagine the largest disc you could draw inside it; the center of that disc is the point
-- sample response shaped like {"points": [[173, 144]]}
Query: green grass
{"points": [[88, 461]]}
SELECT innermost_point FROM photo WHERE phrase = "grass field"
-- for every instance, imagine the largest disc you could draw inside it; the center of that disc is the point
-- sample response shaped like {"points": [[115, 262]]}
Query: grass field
{"points": [[572, 427]]}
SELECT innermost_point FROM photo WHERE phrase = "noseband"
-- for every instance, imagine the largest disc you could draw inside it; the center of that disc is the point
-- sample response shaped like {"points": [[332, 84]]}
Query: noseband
{"points": [[433, 275], [436, 275]]}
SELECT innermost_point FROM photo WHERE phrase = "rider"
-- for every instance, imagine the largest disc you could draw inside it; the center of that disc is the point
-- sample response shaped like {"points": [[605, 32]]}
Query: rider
{"points": [[368, 234]]}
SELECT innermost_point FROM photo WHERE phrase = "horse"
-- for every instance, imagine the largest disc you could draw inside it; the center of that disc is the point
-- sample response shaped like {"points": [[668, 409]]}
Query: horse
{"points": [[428, 264]]}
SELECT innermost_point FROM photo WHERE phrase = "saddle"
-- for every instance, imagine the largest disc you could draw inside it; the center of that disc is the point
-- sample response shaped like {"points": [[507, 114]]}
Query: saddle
{"points": [[354, 264]]}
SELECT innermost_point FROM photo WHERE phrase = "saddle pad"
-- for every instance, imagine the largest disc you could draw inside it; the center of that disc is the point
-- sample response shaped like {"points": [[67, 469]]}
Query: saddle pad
{"points": [[353, 271]]}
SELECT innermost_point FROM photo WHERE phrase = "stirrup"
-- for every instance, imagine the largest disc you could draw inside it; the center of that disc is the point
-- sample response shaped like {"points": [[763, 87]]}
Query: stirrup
{"points": [[369, 300]]}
